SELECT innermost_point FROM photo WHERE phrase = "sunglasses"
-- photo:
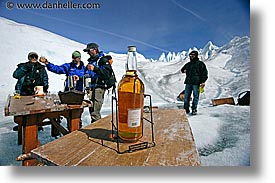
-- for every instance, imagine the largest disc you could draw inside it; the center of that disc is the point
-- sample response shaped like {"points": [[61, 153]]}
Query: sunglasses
{"points": [[34, 56], [192, 54], [92, 49]]}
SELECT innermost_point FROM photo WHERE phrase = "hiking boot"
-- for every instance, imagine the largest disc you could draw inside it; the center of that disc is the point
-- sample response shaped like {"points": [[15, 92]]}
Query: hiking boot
{"points": [[194, 112], [187, 111]]}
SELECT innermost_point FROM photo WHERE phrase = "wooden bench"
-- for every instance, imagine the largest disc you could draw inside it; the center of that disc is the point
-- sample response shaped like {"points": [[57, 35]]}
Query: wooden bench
{"points": [[92, 145], [220, 101]]}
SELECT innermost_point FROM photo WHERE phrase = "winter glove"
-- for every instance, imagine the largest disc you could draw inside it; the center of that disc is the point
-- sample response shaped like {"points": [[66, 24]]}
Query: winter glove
{"points": [[43, 60], [202, 85]]}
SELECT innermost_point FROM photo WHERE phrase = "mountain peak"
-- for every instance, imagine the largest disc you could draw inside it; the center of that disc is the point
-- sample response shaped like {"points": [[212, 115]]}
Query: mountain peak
{"points": [[206, 53]]}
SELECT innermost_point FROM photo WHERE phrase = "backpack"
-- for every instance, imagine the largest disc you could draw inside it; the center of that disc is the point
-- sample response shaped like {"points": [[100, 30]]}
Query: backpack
{"points": [[244, 98], [110, 82]]}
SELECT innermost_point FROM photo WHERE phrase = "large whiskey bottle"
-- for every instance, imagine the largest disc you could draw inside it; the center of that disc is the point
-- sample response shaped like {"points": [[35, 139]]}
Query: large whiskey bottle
{"points": [[130, 101]]}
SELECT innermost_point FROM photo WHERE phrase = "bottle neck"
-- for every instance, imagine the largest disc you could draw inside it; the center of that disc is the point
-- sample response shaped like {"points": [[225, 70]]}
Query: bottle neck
{"points": [[131, 64], [131, 73]]}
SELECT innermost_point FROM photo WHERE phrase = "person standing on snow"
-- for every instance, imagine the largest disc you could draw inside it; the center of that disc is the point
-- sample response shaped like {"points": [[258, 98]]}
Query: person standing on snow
{"points": [[196, 76], [98, 69], [75, 68]]}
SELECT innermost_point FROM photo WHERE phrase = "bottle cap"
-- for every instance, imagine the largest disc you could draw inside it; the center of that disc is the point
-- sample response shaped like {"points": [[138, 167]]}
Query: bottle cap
{"points": [[132, 48]]}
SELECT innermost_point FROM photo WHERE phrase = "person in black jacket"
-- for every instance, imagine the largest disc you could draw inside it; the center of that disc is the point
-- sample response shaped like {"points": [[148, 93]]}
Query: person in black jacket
{"points": [[98, 69], [29, 75], [196, 76]]}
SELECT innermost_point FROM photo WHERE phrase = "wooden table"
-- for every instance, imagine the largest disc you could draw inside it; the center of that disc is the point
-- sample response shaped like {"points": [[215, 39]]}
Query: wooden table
{"points": [[29, 113], [92, 145]]}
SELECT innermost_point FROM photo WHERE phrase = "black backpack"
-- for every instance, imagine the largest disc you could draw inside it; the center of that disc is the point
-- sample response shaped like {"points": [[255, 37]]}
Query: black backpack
{"points": [[111, 81], [244, 98]]}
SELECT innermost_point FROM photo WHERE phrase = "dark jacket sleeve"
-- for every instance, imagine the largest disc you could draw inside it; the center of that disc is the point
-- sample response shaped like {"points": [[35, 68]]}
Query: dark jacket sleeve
{"points": [[45, 77], [183, 68], [204, 73], [104, 70], [20, 71]]}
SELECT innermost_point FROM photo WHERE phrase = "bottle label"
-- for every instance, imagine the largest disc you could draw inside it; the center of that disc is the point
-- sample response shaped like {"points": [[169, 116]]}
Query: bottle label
{"points": [[134, 117]]}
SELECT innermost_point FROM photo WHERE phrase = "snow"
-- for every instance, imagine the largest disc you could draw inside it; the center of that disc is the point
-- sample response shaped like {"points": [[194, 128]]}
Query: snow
{"points": [[221, 133]]}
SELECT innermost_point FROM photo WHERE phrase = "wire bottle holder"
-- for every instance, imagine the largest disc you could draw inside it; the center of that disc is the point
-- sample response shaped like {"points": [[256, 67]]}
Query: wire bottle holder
{"points": [[136, 146]]}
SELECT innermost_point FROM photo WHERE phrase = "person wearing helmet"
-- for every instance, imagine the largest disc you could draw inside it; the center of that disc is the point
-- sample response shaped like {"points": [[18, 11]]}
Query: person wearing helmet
{"points": [[75, 68], [29, 75], [196, 76]]}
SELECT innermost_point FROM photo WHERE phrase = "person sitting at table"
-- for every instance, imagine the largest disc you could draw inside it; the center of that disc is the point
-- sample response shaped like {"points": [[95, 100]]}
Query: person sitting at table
{"points": [[75, 68]]}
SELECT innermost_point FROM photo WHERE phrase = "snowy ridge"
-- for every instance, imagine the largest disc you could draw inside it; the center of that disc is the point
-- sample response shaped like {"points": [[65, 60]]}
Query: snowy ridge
{"points": [[206, 52], [228, 67]]}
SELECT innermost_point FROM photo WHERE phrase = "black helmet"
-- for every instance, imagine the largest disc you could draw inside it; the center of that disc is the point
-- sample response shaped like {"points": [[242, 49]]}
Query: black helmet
{"points": [[90, 46], [194, 53], [32, 55]]}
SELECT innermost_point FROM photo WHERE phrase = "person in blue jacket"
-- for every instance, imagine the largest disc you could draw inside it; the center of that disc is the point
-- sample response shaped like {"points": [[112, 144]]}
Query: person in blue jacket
{"points": [[76, 68], [29, 75], [98, 69]]}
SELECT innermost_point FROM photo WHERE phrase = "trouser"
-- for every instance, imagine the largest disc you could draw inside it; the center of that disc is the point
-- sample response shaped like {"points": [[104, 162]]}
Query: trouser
{"points": [[187, 94], [97, 97]]}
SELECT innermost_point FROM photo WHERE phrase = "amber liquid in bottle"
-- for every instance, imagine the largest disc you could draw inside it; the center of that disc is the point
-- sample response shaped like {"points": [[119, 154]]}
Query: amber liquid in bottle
{"points": [[131, 101]]}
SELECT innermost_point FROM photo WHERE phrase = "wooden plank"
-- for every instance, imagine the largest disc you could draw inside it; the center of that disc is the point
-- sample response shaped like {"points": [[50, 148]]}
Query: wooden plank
{"points": [[59, 127], [229, 100], [92, 146], [32, 105]]}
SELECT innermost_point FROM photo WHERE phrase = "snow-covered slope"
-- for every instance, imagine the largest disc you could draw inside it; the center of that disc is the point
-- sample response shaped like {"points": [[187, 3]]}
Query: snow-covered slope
{"points": [[17, 40], [228, 68]]}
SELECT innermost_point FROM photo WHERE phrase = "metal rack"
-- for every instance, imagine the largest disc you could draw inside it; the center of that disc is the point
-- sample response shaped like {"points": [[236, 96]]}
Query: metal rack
{"points": [[139, 145]]}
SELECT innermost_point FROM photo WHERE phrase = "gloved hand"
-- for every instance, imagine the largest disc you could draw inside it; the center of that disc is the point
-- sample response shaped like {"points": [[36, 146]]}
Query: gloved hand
{"points": [[43, 60], [90, 67]]}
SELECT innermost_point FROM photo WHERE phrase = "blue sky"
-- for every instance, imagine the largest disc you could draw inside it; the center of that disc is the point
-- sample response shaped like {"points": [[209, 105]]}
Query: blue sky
{"points": [[154, 26]]}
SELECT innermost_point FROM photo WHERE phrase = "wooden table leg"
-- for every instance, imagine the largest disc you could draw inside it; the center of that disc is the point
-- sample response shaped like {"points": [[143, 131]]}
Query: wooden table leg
{"points": [[19, 120], [30, 138], [74, 121]]}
